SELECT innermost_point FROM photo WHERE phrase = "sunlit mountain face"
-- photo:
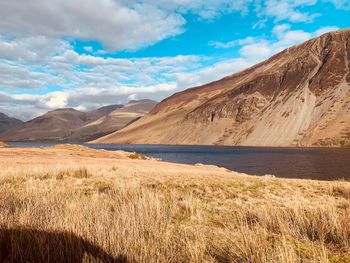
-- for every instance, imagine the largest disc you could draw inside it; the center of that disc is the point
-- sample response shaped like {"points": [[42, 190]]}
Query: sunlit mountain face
{"points": [[298, 97]]}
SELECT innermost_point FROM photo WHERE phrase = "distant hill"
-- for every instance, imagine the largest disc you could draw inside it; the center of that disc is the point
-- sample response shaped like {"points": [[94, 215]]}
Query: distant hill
{"points": [[6, 122], [113, 121], [299, 97], [71, 125]]}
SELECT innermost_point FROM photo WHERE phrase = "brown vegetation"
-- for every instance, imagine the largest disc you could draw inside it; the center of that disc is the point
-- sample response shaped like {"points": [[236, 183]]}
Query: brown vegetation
{"points": [[116, 209], [4, 144]]}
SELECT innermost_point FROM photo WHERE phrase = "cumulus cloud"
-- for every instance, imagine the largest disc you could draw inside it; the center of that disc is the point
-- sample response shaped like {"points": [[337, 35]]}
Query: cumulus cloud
{"points": [[31, 48], [117, 25], [54, 100]]}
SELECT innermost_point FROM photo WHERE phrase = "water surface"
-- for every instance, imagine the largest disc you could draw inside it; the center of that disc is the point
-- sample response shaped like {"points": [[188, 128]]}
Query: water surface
{"points": [[306, 163]]}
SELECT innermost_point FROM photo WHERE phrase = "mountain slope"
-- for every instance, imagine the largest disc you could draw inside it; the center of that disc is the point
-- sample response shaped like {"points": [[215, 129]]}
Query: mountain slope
{"points": [[6, 122], [54, 125], [78, 126], [113, 121], [299, 97]]}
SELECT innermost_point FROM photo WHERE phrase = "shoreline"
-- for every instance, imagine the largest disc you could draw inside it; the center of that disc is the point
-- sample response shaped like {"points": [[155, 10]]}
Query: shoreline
{"points": [[249, 160], [187, 145], [84, 155]]}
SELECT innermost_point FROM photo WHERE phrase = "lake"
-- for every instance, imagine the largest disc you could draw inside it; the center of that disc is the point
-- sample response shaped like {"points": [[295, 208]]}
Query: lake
{"points": [[306, 163]]}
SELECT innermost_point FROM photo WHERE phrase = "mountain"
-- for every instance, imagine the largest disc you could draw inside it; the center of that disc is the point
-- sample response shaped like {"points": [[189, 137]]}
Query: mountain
{"points": [[105, 110], [6, 122], [299, 97], [113, 121], [78, 126], [54, 125]]}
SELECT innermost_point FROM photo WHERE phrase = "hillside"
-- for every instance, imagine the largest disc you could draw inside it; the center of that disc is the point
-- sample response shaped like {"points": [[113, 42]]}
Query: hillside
{"points": [[299, 97], [113, 121], [54, 125], [6, 122], [78, 126]]}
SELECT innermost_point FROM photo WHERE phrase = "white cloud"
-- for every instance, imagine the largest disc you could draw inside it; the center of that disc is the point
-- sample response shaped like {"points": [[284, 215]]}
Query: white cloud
{"points": [[250, 54], [16, 76], [132, 97], [117, 25], [259, 50], [211, 73], [230, 44], [126, 24], [89, 49], [262, 48], [340, 4], [206, 9], [54, 100], [279, 30], [30, 49], [83, 98], [325, 29], [287, 10]]}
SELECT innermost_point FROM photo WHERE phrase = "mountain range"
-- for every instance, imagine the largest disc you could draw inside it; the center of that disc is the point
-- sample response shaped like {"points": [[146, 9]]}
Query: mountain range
{"points": [[77, 126], [298, 97]]}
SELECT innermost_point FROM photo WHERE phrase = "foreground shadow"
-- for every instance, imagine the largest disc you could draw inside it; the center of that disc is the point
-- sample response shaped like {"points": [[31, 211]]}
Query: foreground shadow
{"points": [[30, 245]]}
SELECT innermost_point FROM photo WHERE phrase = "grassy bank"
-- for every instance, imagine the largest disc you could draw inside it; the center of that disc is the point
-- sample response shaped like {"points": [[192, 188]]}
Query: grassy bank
{"points": [[137, 211]]}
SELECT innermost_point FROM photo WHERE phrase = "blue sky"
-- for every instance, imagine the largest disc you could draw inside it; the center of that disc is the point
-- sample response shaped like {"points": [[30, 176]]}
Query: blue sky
{"points": [[87, 53]]}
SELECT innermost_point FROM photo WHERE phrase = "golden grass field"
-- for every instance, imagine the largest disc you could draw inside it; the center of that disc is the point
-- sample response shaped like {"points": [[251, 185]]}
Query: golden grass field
{"points": [[74, 204]]}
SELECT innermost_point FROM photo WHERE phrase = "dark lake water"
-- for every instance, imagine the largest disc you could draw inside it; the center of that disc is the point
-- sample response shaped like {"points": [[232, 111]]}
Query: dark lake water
{"points": [[306, 163]]}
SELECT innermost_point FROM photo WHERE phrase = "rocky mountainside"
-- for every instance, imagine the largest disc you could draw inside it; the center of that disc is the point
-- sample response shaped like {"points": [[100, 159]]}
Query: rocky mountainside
{"points": [[72, 125], [6, 122], [299, 97]]}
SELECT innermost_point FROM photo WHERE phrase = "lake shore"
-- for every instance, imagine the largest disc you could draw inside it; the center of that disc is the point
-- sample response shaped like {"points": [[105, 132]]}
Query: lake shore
{"points": [[140, 209]]}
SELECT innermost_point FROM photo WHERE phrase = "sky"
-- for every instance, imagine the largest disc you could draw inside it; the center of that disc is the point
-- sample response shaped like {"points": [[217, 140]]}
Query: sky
{"points": [[85, 54]]}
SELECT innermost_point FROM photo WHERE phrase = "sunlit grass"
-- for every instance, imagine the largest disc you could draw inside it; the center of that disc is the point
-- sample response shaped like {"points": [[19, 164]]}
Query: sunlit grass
{"points": [[165, 219]]}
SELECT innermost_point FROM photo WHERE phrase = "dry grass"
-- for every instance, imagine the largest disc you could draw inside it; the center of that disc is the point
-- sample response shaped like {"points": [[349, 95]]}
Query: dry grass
{"points": [[85, 213], [4, 144], [137, 156]]}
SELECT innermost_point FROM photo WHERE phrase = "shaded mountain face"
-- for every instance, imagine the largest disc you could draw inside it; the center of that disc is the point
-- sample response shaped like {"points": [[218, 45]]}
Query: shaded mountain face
{"points": [[6, 122], [61, 125], [299, 97]]}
